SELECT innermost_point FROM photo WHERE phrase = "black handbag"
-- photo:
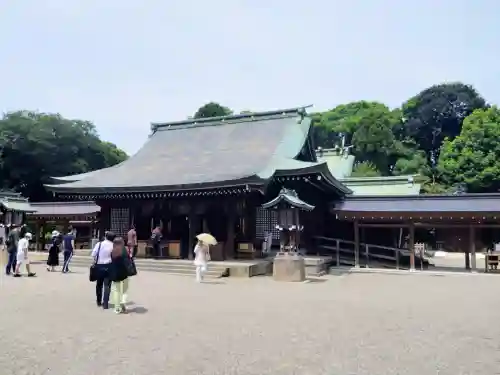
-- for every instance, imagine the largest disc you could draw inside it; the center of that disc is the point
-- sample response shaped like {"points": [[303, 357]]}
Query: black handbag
{"points": [[130, 265], [94, 270]]}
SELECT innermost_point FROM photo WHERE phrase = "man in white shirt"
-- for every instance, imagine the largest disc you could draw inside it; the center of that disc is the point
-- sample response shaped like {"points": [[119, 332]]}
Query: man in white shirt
{"points": [[22, 255], [102, 258]]}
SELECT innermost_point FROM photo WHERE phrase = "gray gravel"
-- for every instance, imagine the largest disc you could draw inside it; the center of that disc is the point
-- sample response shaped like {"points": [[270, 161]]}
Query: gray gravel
{"points": [[350, 324]]}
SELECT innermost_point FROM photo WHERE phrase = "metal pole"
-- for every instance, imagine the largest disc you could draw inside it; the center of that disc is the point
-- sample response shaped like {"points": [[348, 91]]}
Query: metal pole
{"points": [[367, 256], [397, 259]]}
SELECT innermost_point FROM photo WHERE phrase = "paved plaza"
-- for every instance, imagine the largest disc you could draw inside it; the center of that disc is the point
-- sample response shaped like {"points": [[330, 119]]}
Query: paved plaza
{"points": [[374, 324]]}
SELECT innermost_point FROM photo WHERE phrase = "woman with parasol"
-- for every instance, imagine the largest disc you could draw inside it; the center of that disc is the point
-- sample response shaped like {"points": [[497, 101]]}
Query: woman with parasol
{"points": [[202, 254]]}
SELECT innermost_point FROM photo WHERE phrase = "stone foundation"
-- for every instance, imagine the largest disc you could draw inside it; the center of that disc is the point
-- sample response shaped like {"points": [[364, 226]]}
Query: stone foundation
{"points": [[289, 267]]}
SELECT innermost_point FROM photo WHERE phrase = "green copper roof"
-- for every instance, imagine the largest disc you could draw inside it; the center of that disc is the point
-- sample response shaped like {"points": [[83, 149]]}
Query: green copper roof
{"points": [[384, 189], [340, 165], [383, 185], [21, 205], [291, 198], [201, 153]]}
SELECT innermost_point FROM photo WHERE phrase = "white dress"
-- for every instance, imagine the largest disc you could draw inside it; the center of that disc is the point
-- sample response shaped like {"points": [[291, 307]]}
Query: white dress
{"points": [[22, 245], [201, 256]]}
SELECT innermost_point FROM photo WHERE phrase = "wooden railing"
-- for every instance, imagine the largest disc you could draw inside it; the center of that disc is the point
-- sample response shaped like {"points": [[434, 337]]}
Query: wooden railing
{"points": [[344, 252]]}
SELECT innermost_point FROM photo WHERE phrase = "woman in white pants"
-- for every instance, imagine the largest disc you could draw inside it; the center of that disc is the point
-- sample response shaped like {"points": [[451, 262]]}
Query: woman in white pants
{"points": [[201, 258]]}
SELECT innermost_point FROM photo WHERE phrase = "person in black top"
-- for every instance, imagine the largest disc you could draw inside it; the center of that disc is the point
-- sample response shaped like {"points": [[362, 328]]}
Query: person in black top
{"points": [[54, 250], [156, 237], [12, 240]]}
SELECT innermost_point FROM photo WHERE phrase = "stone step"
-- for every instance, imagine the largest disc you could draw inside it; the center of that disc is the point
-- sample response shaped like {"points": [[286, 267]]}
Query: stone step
{"points": [[172, 267]]}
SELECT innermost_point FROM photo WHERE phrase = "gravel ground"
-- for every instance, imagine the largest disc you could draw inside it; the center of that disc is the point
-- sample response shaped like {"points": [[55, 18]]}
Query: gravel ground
{"points": [[349, 324]]}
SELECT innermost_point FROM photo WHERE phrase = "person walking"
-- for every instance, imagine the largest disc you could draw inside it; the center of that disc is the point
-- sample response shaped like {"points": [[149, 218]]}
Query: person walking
{"points": [[54, 250], [68, 249], [22, 255], [119, 275], [12, 242], [132, 242], [201, 258], [156, 237], [102, 258]]}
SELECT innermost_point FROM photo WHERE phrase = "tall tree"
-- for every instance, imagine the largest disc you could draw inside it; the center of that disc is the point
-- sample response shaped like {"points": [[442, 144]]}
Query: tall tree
{"points": [[212, 109], [437, 113], [35, 146], [367, 126], [472, 157]]}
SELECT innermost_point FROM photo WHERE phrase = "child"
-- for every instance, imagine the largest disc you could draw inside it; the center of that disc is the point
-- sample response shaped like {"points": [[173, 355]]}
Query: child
{"points": [[201, 258], [22, 256]]}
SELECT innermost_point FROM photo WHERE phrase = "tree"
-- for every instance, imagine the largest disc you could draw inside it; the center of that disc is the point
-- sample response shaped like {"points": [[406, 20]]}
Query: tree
{"points": [[367, 126], [472, 157], [212, 109], [36, 146], [365, 169], [438, 113]]}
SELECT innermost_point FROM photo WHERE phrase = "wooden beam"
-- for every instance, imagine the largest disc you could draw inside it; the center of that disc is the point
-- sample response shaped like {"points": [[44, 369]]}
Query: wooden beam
{"points": [[427, 225]]}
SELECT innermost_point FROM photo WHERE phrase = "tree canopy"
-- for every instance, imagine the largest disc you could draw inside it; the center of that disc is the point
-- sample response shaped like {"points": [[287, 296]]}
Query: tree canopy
{"points": [[212, 109], [438, 113], [409, 140], [36, 146], [473, 157]]}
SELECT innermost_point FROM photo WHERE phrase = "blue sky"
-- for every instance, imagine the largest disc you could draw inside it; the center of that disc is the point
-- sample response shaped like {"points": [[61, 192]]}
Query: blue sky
{"points": [[123, 64]]}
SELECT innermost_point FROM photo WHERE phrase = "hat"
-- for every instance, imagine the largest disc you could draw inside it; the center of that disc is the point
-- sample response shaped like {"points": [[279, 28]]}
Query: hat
{"points": [[28, 236], [55, 233]]}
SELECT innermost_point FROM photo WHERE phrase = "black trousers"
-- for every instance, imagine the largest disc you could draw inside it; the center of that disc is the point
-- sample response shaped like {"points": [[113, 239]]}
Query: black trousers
{"points": [[103, 285], [156, 250]]}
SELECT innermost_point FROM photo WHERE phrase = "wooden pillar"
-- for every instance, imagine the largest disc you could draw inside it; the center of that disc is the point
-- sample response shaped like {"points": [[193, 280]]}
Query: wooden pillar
{"points": [[472, 247], [411, 244], [467, 256], [230, 240], [192, 233], [356, 243], [37, 235], [297, 232]]}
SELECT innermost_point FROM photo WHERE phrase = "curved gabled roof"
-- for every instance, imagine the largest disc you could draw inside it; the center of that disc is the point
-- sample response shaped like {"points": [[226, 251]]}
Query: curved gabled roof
{"points": [[202, 153], [76, 177]]}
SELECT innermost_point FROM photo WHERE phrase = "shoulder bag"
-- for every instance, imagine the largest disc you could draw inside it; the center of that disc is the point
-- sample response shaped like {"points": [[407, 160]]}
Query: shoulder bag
{"points": [[130, 265], [94, 270]]}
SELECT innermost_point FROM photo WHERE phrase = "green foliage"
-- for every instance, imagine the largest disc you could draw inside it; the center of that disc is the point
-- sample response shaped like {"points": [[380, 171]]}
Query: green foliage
{"points": [[437, 113], [410, 139], [212, 109], [365, 169], [35, 146], [410, 159], [368, 126], [473, 157]]}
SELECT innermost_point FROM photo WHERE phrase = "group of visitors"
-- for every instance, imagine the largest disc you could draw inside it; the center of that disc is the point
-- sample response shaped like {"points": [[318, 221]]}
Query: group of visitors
{"points": [[113, 265], [17, 245], [59, 242]]}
